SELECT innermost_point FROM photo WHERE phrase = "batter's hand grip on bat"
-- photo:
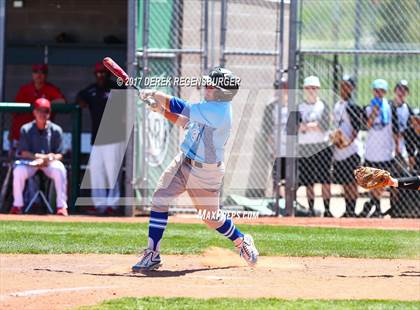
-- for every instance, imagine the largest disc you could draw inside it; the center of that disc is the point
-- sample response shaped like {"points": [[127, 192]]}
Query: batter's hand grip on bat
{"points": [[152, 103], [115, 69]]}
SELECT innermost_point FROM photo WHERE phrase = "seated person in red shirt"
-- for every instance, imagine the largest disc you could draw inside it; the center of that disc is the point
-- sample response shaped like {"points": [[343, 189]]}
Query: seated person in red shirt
{"points": [[41, 142], [38, 88]]}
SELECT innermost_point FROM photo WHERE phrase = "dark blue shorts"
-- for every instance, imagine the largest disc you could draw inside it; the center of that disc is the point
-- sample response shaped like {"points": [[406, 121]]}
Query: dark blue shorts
{"points": [[343, 169]]}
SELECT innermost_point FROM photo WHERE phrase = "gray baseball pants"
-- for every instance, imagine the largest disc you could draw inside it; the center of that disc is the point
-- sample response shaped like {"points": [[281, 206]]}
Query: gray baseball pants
{"points": [[202, 184]]}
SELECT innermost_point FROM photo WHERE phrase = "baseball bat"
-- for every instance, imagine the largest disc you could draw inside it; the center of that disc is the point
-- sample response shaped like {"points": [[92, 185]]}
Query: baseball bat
{"points": [[116, 70]]}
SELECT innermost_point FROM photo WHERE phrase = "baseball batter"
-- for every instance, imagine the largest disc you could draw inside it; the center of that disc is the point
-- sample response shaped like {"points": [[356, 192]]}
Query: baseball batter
{"points": [[198, 168]]}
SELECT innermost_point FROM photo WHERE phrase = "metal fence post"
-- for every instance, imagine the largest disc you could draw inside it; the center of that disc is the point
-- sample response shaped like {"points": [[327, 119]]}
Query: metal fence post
{"points": [[2, 62], [2, 46], [279, 103], [291, 158], [145, 69], [205, 35], [223, 25], [280, 46], [357, 35], [132, 27], [75, 159], [212, 33], [336, 77]]}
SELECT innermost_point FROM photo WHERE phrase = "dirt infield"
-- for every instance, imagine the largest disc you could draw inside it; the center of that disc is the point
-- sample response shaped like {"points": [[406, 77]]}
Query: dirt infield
{"points": [[401, 224], [64, 281]]}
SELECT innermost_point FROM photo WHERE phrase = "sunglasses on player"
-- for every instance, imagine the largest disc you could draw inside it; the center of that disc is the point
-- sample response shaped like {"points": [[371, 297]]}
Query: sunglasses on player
{"points": [[43, 111]]}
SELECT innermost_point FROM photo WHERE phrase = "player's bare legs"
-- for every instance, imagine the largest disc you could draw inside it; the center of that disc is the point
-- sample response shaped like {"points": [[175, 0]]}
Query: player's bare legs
{"points": [[326, 196], [311, 199], [373, 202], [350, 196]]}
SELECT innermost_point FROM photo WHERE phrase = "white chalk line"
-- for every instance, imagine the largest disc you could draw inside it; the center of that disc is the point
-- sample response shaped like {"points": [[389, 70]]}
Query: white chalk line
{"points": [[47, 291]]}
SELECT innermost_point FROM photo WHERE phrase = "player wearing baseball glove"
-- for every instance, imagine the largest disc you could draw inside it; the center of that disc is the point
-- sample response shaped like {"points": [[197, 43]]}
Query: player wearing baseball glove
{"points": [[372, 178], [199, 168]]}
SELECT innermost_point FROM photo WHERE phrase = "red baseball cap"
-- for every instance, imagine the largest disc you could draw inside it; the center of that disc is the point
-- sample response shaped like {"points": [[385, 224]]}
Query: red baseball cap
{"points": [[40, 67], [99, 67], [42, 103]]}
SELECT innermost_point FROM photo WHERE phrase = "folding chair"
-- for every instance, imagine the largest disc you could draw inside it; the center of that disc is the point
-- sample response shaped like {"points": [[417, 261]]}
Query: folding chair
{"points": [[44, 186]]}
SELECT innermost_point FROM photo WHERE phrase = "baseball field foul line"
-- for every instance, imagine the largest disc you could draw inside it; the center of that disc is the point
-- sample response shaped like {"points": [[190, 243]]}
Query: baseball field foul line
{"points": [[47, 291]]}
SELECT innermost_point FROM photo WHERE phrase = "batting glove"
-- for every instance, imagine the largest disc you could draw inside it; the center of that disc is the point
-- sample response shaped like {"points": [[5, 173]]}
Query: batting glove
{"points": [[153, 105], [146, 93]]}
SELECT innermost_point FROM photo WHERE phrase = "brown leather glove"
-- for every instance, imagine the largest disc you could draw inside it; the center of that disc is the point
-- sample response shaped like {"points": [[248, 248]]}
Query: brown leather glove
{"points": [[371, 178]]}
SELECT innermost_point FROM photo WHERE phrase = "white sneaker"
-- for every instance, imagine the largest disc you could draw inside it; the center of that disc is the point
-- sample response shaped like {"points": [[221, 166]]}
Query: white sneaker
{"points": [[248, 251], [149, 261]]}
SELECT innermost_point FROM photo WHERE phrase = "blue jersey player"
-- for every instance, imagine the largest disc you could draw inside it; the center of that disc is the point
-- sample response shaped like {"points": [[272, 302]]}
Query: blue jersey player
{"points": [[199, 168]]}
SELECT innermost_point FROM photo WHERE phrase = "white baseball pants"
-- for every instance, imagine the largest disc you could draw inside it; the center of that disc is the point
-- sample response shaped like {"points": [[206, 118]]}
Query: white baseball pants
{"points": [[55, 170], [105, 163]]}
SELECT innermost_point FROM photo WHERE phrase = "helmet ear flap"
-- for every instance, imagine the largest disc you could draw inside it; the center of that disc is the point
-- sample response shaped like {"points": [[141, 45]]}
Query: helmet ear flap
{"points": [[225, 94]]}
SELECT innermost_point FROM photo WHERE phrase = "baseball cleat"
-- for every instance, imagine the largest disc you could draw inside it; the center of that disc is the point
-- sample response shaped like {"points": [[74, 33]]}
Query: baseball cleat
{"points": [[16, 210], [370, 211], [248, 251], [149, 261], [62, 212], [327, 213]]}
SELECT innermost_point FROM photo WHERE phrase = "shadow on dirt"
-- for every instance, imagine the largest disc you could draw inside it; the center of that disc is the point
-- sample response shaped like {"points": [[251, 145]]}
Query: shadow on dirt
{"points": [[403, 274], [148, 274]]}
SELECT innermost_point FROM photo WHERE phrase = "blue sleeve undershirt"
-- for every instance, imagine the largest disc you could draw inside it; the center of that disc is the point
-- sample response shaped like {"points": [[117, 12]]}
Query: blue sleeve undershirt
{"points": [[179, 106], [212, 115]]}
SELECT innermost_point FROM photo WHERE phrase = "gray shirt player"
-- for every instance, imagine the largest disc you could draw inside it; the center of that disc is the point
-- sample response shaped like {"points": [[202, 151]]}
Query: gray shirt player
{"points": [[34, 140]]}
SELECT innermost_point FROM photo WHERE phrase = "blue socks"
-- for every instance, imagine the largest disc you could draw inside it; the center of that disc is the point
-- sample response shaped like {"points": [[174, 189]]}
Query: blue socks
{"points": [[157, 225], [229, 230], [158, 221]]}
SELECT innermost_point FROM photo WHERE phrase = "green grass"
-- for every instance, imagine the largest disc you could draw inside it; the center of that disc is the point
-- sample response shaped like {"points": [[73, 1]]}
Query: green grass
{"points": [[332, 23], [388, 67], [262, 303], [128, 238]]}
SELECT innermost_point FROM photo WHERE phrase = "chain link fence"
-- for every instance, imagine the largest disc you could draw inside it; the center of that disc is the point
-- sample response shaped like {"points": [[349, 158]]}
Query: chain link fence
{"points": [[173, 48], [197, 35], [367, 40], [251, 48]]}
